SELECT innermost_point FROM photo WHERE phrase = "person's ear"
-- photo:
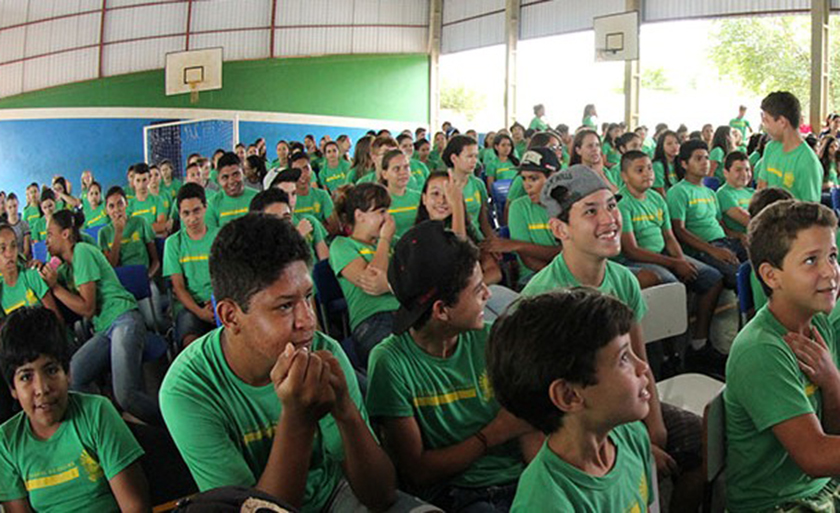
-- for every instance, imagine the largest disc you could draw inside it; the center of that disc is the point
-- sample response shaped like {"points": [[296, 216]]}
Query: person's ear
{"points": [[13, 392], [439, 311], [230, 315], [559, 229], [565, 396], [770, 275]]}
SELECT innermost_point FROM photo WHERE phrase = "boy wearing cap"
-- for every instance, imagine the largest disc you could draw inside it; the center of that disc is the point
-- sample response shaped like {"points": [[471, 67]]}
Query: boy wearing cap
{"points": [[428, 387], [310, 200], [232, 201], [584, 215]]}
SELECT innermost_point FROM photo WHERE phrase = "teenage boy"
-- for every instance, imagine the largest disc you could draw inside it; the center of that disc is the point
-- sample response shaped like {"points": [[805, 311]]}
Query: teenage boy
{"points": [[65, 451], [583, 214], [740, 123], [310, 200], [186, 261], [564, 363], [530, 235], [734, 196], [19, 225], [647, 242], [696, 216], [263, 401], [788, 162], [782, 397], [307, 225], [459, 453], [232, 201], [144, 204]]}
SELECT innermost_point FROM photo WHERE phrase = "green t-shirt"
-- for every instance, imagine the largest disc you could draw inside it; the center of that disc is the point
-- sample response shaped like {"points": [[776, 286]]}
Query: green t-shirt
{"points": [[172, 189], [754, 158], [135, 236], [30, 214], [449, 398], [317, 203], [765, 387], [618, 282], [516, 190], [224, 428], [404, 211], [528, 221], [613, 174], [27, 290], [475, 196], [498, 170], [550, 483], [354, 175], [361, 305], [486, 153], [718, 155], [95, 216], [149, 210], [697, 207], [331, 178], [520, 148], [317, 235], [591, 122], [649, 147], [70, 470], [612, 154], [90, 265], [222, 209], [419, 172], [538, 124], [741, 125], [166, 202], [38, 229], [191, 259], [729, 197], [798, 171], [659, 175], [759, 297], [646, 219]]}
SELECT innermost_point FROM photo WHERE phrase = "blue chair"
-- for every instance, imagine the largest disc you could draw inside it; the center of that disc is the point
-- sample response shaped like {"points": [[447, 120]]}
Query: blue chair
{"points": [[215, 315], [498, 195], [711, 182], [835, 199], [39, 251], [135, 279], [330, 298], [746, 303], [94, 231]]}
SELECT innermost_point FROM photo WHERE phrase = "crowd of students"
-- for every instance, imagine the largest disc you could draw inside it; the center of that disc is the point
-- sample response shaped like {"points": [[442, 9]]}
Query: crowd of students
{"points": [[552, 406]]}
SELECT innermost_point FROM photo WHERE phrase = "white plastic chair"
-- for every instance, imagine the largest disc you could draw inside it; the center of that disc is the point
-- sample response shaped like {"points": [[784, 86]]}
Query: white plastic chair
{"points": [[667, 316], [714, 442]]}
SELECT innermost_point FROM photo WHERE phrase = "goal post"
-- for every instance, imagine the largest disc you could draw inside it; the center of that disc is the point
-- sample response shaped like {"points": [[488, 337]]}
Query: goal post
{"points": [[176, 140]]}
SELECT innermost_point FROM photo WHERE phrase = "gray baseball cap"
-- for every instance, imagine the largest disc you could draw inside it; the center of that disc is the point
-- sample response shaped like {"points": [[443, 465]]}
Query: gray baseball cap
{"points": [[578, 181]]}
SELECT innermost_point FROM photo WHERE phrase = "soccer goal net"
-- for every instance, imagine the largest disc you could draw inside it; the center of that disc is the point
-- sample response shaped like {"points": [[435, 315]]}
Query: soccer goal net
{"points": [[177, 140]]}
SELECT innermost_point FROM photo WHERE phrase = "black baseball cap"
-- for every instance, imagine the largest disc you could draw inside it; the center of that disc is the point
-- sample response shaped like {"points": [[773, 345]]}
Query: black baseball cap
{"points": [[423, 260], [540, 159]]}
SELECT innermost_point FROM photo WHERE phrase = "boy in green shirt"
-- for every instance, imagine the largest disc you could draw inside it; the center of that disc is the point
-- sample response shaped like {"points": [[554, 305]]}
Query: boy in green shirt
{"points": [[563, 362], [647, 242], [461, 452], [583, 214], [307, 225], [186, 261], [696, 218], [740, 123], [265, 401], [145, 204], [734, 196], [782, 398], [65, 451], [788, 162], [310, 200], [231, 202]]}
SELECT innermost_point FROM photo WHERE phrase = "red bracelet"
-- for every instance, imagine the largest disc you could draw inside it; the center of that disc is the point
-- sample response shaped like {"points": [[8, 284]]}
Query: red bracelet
{"points": [[482, 439]]}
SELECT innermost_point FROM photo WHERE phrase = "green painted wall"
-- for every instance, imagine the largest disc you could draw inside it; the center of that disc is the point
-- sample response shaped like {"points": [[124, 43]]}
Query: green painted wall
{"points": [[388, 87]]}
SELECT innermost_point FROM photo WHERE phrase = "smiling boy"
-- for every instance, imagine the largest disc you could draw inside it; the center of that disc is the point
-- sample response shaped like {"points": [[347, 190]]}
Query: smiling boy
{"points": [[232, 201]]}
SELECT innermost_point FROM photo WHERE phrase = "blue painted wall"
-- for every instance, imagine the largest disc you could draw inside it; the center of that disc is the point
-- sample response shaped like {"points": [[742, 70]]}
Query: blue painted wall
{"points": [[35, 150]]}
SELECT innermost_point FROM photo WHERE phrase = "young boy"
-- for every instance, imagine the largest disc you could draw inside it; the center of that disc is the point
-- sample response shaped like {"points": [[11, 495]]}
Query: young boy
{"points": [[263, 401], [782, 397], [584, 216], [761, 200], [564, 363], [231, 202], [144, 204], [310, 200], [696, 216], [186, 259], [734, 196], [32, 210], [20, 226], [647, 242], [65, 451], [428, 385], [741, 123], [307, 225], [787, 162]]}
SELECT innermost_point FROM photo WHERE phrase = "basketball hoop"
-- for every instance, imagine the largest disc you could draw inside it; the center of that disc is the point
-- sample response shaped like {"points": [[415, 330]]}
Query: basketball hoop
{"points": [[193, 71], [194, 91]]}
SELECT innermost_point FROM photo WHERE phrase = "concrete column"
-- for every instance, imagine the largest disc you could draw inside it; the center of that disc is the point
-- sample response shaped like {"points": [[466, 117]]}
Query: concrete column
{"points": [[435, 29], [632, 80], [512, 10], [819, 62]]}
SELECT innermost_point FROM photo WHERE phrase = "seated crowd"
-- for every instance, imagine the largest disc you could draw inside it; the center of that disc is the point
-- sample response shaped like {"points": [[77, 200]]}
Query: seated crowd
{"points": [[494, 357]]}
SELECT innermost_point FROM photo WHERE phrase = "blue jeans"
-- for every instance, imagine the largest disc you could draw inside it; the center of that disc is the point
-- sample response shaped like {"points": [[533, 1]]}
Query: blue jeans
{"points": [[370, 332], [121, 346], [187, 323], [707, 276], [729, 271], [491, 499]]}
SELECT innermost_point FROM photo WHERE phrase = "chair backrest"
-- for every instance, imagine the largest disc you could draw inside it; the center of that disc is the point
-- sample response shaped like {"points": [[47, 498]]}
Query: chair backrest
{"points": [[39, 251], [714, 444], [326, 282], [499, 194], [160, 243], [135, 280], [835, 198], [744, 289], [667, 311], [215, 315], [94, 231], [711, 182]]}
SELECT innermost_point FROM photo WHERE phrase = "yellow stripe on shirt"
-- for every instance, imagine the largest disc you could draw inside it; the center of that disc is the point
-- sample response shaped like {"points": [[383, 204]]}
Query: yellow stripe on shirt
{"points": [[539, 226], [234, 212], [57, 479], [402, 209], [450, 397], [197, 258]]}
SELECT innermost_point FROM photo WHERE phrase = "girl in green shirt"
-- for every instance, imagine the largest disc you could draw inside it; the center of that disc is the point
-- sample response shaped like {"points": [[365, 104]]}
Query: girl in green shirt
{"points": [[501, 165], [336, 169], [396, 174], [62, 198], [828, 159], [360, 261], [94, 209], [586, 150], [610, 146], [590, 117], [47, 208], [664, 156], [362, 161], [722, 145], [168, 184], [22, 286]]}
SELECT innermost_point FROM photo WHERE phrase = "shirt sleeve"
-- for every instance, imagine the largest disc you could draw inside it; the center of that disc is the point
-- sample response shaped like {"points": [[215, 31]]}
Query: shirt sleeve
{"points": [[146, 232], [115, 445], [36, 283], [626, 217], [666, 214], [172, 257], [341, 254], [517, 224], [387, 392], [85, 269], [11, 483], [327, 203], [677, 203]]}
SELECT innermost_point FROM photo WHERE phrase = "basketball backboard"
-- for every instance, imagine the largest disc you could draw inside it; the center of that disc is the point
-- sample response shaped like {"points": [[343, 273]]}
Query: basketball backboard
{"points": [[193, 71], [617, 37]]}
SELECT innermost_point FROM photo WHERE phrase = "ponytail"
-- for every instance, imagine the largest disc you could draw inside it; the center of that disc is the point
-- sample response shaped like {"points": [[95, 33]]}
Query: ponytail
{"points": [[70, 220]]}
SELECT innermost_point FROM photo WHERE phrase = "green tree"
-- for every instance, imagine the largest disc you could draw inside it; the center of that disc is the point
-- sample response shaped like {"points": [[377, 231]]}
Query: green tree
{"points": [[461, 99], [772, 53]]}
